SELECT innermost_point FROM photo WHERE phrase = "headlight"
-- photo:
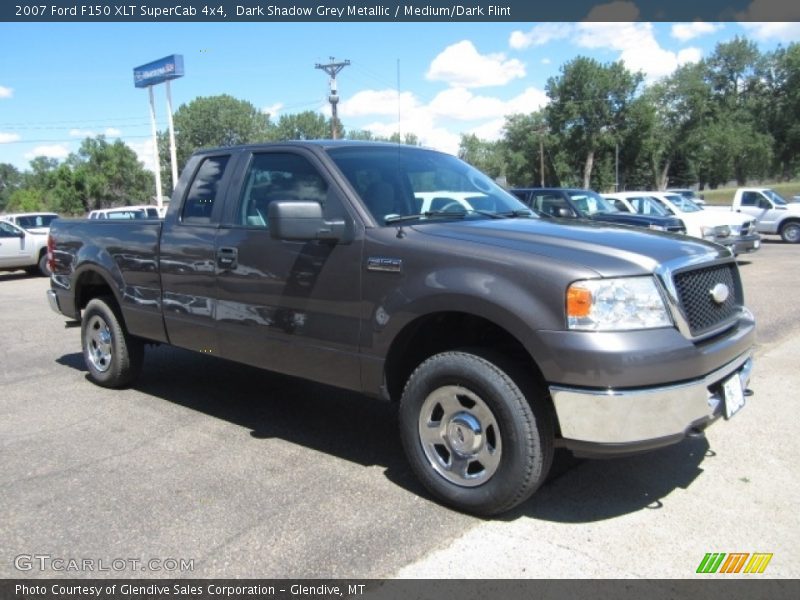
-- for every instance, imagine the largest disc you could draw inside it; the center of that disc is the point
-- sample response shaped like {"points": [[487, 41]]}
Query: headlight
{"points": [[718, 231], [616, 305]]}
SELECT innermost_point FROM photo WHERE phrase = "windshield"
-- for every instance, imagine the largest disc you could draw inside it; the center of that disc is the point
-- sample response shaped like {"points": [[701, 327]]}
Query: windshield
{"points": [[683, 204], [396, 182], [591, 203], [776, 198], [34, 221]]}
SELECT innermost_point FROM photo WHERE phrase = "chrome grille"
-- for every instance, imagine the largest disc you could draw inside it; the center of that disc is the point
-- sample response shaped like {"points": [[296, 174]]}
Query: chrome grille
{"points": [[694, 290]]}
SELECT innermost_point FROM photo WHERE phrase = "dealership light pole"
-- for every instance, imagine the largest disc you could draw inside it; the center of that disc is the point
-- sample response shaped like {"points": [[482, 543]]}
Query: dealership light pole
{"points": [[162, 70]]}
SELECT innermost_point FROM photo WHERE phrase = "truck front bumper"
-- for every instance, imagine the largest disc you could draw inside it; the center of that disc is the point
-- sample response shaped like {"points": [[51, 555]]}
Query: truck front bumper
{"points": [[744, 244], [52, 300], [613, 422]]}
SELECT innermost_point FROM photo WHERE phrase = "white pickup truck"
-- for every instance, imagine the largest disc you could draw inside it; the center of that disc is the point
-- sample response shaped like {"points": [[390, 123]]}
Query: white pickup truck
{"points": [[773, 213], [737, 232], [21, 249]]}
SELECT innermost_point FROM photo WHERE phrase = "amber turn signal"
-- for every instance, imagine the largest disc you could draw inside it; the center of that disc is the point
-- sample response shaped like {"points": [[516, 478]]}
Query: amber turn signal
{"points": [[579, 301]]}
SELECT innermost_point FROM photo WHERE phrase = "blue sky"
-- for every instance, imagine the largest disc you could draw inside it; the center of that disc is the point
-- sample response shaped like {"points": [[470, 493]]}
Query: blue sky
{"points": [[61, 82]]}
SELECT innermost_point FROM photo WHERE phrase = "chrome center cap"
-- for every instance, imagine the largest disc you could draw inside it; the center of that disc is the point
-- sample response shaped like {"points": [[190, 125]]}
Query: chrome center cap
{"points": [[464, 434]]}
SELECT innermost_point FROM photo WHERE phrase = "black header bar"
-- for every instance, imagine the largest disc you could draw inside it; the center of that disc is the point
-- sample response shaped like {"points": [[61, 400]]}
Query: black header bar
{"points": [[397, 11]]}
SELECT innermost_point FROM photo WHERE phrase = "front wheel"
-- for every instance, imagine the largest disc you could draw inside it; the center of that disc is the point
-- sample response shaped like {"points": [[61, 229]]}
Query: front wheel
{"points": [[790, 232], [113, 356], [472, 436]]}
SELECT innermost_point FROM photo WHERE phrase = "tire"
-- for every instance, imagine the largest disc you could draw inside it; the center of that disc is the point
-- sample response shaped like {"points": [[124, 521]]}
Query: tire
{"points": [[44, 270], [471, 435], [113, 356], [790, 232]]}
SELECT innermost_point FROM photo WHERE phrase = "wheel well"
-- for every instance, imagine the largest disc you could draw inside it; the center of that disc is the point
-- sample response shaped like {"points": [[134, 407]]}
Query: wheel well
{"points": [[90, 285], [440, 332], [786, 222]]}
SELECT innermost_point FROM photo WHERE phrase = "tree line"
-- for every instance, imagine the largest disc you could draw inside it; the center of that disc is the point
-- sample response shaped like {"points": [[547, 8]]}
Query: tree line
{"points": [[730, 116]]}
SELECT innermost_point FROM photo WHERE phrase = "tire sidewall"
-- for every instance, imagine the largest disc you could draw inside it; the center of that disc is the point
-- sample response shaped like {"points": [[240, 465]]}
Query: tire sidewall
{"points": [[523, 448], [791, 227], [124, 359]]}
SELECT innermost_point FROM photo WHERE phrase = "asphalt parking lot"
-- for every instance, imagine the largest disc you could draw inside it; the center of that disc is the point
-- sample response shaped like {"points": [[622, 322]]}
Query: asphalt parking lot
{"points": [[210, 469]]}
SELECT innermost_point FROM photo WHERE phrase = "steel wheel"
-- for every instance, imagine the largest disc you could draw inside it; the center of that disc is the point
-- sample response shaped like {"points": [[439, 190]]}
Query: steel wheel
{"points": [[791, 232], [460, 436], [99, 350]]}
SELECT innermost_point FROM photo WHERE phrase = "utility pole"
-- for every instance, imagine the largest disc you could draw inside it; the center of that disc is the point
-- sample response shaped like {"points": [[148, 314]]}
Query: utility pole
{"points": [[332, 69]]}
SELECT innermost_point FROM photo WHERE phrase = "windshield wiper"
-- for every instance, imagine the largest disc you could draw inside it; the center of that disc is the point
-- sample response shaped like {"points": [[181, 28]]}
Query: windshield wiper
{"points": [[445, 213], [514, 214]]}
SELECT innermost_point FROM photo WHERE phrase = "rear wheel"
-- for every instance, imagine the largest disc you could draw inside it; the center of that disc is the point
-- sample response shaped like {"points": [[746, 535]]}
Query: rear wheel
{"points": [[113, 356], [790, 232], [470, 433], [44, 270]]}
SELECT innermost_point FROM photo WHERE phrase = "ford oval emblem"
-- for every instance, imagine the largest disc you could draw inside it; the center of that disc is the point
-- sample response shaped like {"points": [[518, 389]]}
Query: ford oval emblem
{"points": [[719, 293]]}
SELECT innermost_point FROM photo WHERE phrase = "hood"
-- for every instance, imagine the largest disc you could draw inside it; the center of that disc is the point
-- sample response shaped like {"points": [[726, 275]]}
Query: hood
{"points": [[609, 250]]}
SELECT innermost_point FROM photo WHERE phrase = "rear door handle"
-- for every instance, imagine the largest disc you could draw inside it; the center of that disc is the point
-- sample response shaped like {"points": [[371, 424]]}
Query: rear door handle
{"points": [[227, 258]]}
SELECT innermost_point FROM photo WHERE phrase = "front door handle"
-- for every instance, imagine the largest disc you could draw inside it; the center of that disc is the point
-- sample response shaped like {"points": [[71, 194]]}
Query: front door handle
{"points": [[227, 258]]}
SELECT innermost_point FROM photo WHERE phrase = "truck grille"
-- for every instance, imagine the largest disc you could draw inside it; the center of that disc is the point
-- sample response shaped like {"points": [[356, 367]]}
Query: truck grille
{"points": [[702, 311]]}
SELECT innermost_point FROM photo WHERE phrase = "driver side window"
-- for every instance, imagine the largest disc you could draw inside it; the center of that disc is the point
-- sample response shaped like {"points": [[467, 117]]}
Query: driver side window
{"points": [[275, 177]]}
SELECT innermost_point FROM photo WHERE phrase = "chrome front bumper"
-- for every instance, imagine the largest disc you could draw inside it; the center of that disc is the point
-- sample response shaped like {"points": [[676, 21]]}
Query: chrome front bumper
{"points": [[636, 417], [52, 300]]}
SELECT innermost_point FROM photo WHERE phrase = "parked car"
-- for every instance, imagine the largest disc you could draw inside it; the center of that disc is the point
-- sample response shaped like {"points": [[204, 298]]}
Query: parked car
{"points": [[22, 249], [586, 204], [128, 212], [689, 194], [35, 222], [736, 232]]}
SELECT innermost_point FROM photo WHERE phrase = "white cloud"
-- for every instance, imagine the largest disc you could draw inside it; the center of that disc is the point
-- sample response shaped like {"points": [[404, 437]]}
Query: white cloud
{"points": [[52, 151], [461, 65], [111, 132], [378, 102], [7, 138], [688, 31], [273, 109], [82, 133], [786, 32], [539, 35], [546, 61], [689, 55], [6, 92], [144, 152]]}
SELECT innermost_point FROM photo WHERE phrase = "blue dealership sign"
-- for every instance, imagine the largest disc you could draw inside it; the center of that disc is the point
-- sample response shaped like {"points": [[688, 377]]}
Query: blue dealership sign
{"points": [[158, 71]]}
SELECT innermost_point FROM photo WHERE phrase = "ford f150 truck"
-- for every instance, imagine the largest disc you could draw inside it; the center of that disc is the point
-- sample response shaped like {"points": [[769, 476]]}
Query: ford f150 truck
{"points": [[773, 213], [501, 335]]}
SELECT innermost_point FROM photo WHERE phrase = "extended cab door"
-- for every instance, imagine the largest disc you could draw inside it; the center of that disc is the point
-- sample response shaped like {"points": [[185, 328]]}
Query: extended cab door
{"points": [[287, 306], [187, 259], [757, 205], [16, 250]]}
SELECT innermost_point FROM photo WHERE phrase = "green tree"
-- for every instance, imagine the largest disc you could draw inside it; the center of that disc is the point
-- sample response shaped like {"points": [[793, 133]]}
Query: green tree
{"points": [[588, 106], [10, 181], [483, 155], [103, 174], [213, 121], [306, 125]]}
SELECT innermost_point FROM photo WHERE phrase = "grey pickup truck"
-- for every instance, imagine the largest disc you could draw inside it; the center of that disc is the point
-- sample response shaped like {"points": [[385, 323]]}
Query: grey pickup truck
{"points": [[501, 335]]}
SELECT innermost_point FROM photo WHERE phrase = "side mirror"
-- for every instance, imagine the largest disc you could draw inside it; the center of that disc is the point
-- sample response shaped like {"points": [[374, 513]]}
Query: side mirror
{"points": [[565, 213], [301, 221]]}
